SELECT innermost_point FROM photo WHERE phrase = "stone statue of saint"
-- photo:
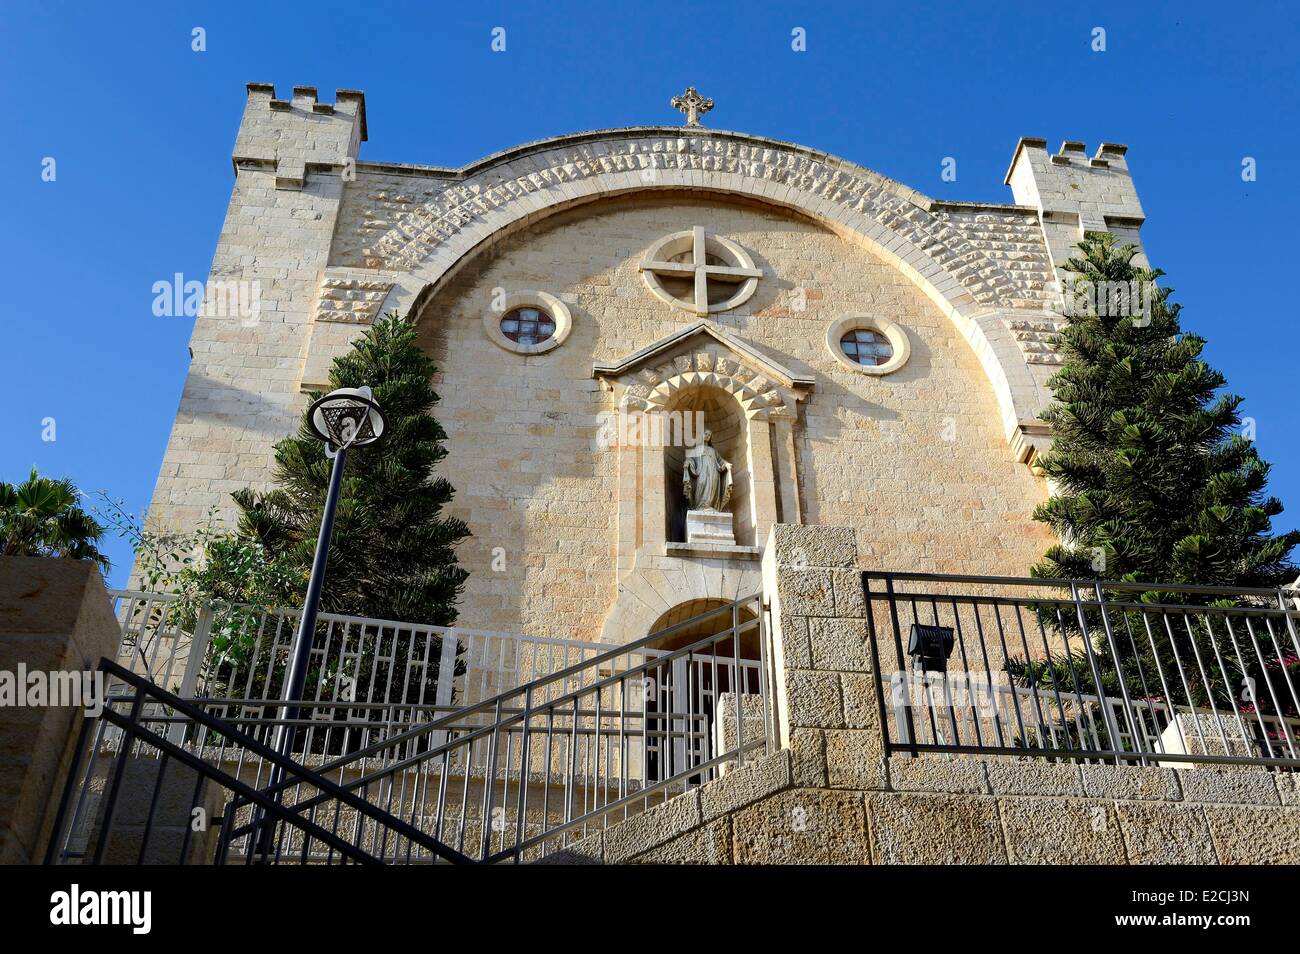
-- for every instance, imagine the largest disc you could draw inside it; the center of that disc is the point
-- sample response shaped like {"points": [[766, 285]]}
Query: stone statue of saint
{"points": [[706, 477]]}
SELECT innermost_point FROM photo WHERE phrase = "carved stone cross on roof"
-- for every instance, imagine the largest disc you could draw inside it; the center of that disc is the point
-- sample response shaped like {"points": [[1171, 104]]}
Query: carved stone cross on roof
{"points": [[692, 104]]}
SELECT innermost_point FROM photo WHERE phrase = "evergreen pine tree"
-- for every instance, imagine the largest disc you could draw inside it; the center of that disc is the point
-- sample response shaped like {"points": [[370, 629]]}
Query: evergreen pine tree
{"points": [[1152, 480], [392, 552]]}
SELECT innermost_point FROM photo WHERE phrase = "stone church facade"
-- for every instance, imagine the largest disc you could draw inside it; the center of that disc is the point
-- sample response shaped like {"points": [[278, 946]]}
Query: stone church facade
{"points": [[863, 355]]}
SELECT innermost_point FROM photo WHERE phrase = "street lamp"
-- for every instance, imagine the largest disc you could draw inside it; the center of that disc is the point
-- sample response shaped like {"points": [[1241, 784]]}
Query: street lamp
{"points": [[343, 419]]}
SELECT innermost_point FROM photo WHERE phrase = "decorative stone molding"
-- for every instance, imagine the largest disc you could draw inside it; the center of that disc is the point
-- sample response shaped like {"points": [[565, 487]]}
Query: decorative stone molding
{"points": [[1037, 337], [892, 330], [653, 375], [409, 230], [557, 309], [656, 378], [353, 300], [660, 583], [979, 264], [1032, 439]]}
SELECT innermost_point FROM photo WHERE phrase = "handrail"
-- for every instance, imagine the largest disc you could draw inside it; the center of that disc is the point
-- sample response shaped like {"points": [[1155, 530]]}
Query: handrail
{"points": [[502, 722], [519, 750], [300, 772], [240, 788], [1056, 582], [448, 721], [1116, 678]]}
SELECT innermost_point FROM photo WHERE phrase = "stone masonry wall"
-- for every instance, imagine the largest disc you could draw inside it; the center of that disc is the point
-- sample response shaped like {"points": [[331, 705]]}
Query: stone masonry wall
{"points": [[242, 392], [829, 797], [915, 458]]}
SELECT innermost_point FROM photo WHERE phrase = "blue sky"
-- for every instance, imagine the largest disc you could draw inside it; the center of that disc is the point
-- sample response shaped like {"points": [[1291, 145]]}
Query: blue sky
{"points": [[141, 128]]}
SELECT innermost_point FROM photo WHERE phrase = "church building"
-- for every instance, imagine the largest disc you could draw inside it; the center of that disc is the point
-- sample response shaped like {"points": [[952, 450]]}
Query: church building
{"points": [[653, 345]]}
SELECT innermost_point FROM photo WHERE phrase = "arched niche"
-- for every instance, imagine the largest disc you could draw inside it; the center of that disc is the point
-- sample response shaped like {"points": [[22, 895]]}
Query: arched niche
{"points": [[708, 407], [747, 399]]}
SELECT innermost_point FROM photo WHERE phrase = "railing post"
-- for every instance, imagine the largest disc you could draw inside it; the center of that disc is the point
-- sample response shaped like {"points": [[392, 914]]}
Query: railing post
{"points": [[899, 657], [489, 785], [736, 687], [1135, 732], [765, 681], [885, 745], [1108, 717], [525, 754], [445, 691], [193, 667]]}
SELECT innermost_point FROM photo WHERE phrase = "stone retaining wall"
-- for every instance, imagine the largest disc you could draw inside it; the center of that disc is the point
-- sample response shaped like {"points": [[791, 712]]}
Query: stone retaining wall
{"points": [[831, 797]]}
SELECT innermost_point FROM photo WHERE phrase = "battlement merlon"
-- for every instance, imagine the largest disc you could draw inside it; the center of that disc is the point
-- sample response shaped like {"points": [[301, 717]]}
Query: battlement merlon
{"points": [[1075, 194], [301, 135]]}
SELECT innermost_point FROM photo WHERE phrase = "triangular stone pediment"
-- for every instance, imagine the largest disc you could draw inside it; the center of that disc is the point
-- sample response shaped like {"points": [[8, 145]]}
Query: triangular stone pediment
{"points": [[702, 354]]}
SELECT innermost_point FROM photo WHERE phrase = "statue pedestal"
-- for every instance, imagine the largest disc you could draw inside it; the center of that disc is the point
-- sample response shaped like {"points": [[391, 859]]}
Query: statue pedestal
{"points": [[710, 526]]}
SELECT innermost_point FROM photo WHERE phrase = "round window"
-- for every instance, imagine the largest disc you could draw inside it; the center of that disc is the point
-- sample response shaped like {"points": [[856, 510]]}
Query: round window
{"points": [[866, 347], [528, 326], [867, 344], [528, 322]]}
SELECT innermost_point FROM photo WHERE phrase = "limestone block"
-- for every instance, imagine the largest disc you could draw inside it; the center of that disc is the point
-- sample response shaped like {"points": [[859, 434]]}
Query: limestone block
{"points": [[1050, 831], [1130, 782], [840, 644], [805, 592], [653, 827], [855, 760], [709, 845], [808, 758], [808, 546], [1254, 836], [937, 773], [860, 701], [1288, 787], [1237, 786], [802, 826], [738, 788], [849, 597], [1034, 777], [911, 829], [1159, 834], [795, 644], [813, 699]]}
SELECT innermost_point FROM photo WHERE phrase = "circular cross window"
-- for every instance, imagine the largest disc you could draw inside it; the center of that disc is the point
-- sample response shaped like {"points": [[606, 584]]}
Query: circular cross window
{"points": [[529, 322], [868, 345], [700, 272]]}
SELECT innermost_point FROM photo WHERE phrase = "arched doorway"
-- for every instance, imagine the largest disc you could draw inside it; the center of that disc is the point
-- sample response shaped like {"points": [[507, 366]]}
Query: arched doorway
{"points": [[711, 652]]}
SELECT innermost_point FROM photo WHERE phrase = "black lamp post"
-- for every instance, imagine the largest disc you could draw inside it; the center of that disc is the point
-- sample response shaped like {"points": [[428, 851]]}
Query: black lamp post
{"points": [[343, 419]]}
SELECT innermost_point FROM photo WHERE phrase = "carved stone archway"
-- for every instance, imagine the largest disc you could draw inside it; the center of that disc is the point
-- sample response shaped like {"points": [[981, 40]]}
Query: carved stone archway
{"points": [[413, 231]]}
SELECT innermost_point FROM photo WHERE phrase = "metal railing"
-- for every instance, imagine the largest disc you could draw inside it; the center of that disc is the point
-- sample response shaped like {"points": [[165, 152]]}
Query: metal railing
{"points": [[140, 792], [1085, 669], [370, 678], [533, 769]]}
